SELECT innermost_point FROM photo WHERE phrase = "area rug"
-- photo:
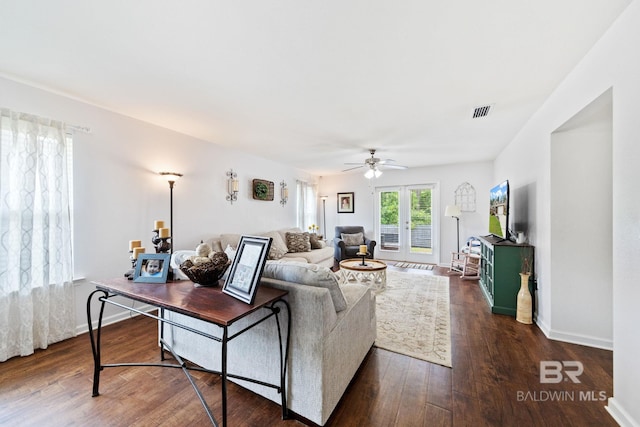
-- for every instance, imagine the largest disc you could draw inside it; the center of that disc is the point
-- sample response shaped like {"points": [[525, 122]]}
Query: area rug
{"points": [[413, 317], [414, 265]]}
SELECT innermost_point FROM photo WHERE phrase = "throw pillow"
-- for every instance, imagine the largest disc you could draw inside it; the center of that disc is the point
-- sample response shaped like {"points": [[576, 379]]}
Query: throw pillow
{"points": [[353, 239], [310, 275], [298, 242], [231, 254], [278, 246], [315, 241], [230, 240], [177, 258]]}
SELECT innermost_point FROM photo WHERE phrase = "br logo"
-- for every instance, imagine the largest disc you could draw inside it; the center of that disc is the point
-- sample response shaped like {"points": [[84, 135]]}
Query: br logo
{"points": [[554, 372]]}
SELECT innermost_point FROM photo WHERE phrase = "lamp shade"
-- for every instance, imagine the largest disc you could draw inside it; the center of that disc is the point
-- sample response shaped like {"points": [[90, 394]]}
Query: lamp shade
{"points": [[452, 210], [171, 176]]}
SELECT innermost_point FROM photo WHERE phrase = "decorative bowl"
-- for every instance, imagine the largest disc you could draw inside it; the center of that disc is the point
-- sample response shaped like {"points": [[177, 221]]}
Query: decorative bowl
{"points": [[204, 274]]}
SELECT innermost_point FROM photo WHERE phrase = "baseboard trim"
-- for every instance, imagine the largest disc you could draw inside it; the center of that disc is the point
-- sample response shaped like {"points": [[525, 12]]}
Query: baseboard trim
{"points": [[115, 318], [587, 340], [618, 413]]}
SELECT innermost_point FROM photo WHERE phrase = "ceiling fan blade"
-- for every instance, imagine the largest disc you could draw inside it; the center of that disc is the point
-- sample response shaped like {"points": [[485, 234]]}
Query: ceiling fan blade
{"points": [[385, 161], [350, 169], [352, 163], [387, 166]]}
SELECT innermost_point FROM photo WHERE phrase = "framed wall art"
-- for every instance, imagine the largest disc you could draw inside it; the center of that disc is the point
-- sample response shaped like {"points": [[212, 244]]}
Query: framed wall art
{"points": [[247, 268], [345, 202], [152, 268], [262, 189]]}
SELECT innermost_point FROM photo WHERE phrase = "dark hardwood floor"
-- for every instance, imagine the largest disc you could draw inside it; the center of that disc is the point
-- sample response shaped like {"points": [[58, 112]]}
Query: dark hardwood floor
{"points": [[494, 381]]}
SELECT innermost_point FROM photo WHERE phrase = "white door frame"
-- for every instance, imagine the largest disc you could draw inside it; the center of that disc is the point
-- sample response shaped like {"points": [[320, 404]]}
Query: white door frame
{"points": [[404, 212]]}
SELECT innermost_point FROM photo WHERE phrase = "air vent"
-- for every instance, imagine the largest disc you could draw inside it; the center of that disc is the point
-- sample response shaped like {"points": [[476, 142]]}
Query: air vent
{"points": [[481, 111]]}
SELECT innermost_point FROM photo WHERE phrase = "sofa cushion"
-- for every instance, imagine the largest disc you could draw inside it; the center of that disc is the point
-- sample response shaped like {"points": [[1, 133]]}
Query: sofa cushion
{"points": [[177, 258], [316, 256], [298, 242], [278, 246], [316, 242], [215, 243], [310, 275], [353, 239], [229, 240]]}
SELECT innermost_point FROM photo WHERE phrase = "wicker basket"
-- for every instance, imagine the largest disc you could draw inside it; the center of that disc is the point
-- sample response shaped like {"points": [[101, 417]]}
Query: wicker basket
{"points": [[205, 274]]}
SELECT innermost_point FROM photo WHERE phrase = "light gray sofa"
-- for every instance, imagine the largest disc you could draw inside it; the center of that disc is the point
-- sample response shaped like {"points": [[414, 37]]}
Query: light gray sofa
{"points": [[322, 256], [332, 329]]}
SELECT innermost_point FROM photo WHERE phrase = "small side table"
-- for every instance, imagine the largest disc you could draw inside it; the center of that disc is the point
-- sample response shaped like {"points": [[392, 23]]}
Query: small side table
{"points": [[372, 274]]}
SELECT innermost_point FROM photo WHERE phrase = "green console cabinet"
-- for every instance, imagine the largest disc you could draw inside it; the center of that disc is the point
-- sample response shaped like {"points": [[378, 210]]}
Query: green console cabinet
{"points": [[500, 272]]}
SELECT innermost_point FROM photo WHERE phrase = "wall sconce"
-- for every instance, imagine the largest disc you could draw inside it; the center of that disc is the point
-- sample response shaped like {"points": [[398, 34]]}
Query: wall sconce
{"points": [[284, 193], [232, 186]]}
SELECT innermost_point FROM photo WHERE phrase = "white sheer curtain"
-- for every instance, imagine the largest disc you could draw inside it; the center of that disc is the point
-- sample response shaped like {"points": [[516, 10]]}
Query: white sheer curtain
{"points": [[36, 268], [306, 208]]}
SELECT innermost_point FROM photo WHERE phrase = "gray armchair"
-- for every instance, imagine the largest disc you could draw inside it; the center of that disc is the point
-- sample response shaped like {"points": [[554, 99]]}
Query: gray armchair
{"points": [[343, 251]]}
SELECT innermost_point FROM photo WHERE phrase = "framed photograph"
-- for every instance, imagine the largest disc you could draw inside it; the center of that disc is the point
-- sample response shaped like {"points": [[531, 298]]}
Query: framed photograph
{"points": [[345, 202], [152, 268], [247, 268]]}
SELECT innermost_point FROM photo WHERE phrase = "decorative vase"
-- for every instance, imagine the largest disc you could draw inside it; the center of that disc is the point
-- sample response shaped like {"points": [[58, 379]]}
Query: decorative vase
{"points": [[524, 312]]}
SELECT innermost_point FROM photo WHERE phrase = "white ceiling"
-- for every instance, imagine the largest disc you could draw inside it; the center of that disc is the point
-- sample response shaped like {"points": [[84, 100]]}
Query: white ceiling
{"points": [[312, 84]]}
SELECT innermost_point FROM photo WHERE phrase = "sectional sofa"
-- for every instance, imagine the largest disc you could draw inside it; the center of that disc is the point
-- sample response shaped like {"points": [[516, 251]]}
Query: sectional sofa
{"points": [[333, 327]]}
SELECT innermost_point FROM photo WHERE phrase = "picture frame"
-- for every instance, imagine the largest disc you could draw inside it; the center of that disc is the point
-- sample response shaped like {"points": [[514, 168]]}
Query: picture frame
{"points": [[247, 267], [262, 190], [346, 202], [152, 268]]}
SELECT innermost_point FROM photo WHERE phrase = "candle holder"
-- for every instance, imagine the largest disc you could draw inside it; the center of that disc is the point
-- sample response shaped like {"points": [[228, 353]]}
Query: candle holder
{"points": [[129, 273], [161, 244], [156, 238], [363, 255]]}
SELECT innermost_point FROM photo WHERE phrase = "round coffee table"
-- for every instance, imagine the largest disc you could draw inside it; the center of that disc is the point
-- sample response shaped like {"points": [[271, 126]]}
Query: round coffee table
{"points": [[373, 273]]}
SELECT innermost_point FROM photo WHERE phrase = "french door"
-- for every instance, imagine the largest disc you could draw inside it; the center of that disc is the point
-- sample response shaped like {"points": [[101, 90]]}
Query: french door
{"points": [[407, 223]]}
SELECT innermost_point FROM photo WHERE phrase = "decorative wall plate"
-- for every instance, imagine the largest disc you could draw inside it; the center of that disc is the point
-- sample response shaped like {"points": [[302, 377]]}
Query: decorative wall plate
{"points": [[262, 190]]}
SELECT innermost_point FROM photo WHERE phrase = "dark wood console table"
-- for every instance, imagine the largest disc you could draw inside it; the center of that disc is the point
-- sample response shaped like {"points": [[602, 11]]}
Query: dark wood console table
{"points": [[207, 304]]}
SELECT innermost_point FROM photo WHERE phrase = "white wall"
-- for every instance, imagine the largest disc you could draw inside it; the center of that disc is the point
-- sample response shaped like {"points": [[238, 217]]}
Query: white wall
{"points": [[614, 62], [448, 178], [118, 193]]}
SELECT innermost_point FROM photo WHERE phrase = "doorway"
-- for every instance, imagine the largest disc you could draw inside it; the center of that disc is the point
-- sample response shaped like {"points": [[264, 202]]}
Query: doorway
{"points": [[581, 202], [407, 223]]}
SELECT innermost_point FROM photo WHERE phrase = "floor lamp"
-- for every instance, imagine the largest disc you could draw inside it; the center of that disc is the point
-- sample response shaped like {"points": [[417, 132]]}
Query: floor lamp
{"points": [[454, 212], [324, 215], [171, 178]]}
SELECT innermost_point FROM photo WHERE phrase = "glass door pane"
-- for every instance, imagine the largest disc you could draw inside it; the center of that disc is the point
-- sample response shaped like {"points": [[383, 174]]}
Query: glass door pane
{"points": [[420, 217], [389, 220]]}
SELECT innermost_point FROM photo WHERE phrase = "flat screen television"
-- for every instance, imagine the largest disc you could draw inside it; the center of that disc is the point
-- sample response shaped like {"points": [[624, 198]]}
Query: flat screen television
{"points": [[499, 210]]}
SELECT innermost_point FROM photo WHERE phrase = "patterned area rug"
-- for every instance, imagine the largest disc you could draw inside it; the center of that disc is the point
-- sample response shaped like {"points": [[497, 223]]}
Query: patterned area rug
{"points": [[414, 265], [413, 317]]}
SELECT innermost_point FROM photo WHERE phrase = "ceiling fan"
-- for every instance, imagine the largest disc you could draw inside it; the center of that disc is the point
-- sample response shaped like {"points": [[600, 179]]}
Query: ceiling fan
{"points": [[373, 165]]}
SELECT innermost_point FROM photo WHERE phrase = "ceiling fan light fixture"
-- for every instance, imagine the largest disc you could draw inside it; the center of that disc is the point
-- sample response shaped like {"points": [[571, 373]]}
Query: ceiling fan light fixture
{"points": [[373, 172]]}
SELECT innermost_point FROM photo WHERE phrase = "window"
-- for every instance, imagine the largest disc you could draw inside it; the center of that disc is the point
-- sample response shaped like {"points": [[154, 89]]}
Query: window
{"points": [[306, 208], [36, 263]]}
